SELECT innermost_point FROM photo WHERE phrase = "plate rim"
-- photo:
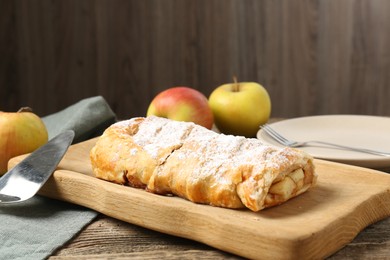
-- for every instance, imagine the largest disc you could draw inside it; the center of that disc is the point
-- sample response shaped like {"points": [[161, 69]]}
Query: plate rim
{"points": [[379, 162]]}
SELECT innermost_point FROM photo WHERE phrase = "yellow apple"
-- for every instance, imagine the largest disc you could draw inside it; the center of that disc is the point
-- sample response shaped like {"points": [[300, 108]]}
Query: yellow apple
{"points": [[182, 104], [20, 133], [240, 108]]}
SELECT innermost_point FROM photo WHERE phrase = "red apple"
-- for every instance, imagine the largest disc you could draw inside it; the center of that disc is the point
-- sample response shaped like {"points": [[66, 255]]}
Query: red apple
{"points": [[20, 133], [182, 104]]}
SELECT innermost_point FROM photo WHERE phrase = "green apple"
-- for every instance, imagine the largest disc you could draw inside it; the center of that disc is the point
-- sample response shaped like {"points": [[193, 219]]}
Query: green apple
{"points": [[20, 133], [240, 108], [182, 104]]}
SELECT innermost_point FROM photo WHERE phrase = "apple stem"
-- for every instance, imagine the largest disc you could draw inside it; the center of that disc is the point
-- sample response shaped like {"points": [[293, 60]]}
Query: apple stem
{"points": [[236, 85], [25, 109]]}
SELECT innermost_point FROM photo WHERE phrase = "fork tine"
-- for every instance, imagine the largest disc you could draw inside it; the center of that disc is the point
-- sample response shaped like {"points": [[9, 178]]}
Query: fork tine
{"points": [[277, 134], [269, 130]]}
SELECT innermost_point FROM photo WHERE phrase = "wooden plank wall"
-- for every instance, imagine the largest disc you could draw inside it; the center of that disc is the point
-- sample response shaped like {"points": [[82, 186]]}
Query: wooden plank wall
{"points": [[314, 57]]}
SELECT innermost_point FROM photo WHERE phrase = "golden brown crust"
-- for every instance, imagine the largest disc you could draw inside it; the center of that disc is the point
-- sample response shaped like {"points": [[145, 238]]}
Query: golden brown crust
{"points": [[184, 159]]}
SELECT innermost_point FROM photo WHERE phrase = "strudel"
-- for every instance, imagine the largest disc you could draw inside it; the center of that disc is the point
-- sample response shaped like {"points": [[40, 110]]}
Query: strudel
{"points": [[184, 159]]}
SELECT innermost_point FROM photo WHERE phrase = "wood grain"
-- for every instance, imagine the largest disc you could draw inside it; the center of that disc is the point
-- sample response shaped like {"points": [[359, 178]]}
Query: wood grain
{"points": [[108, 238], [313, 225], [314, 56]]}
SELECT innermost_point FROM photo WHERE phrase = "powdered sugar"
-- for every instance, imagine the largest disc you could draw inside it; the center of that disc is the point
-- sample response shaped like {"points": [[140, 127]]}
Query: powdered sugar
{"points": [[216, 153], [133, 151], [124, 123], [192, 161], [158, 135]]}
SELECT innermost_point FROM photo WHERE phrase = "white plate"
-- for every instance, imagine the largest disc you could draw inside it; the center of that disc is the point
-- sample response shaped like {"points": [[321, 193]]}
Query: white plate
{"points": [[372, 132]]}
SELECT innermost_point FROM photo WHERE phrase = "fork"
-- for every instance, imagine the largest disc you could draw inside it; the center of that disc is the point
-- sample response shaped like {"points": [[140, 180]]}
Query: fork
{"points": [[286, 142]]}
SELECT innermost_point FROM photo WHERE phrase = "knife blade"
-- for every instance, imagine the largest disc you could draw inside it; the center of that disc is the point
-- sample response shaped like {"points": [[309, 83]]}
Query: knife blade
{"points": [[25, 179]]}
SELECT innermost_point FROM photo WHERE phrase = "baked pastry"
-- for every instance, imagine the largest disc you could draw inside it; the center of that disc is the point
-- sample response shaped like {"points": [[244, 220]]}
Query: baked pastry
{"points": [[187, 160]]}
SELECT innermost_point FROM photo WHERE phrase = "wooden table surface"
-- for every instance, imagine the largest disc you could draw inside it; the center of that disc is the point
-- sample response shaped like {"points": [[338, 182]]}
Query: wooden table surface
{"points": [[108, 238]]}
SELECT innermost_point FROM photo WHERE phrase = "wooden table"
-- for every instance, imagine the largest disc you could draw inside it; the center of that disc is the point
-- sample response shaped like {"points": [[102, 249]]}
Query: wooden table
{"points": [[108, 238]]}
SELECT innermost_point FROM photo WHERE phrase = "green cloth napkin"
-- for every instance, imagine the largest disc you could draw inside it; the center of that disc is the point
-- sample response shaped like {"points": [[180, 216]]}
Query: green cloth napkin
{"points": [[35, 228], [88, 118]]}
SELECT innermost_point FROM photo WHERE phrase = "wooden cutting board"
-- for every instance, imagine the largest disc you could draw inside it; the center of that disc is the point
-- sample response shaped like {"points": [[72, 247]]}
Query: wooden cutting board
{"points": [[313, 225]]}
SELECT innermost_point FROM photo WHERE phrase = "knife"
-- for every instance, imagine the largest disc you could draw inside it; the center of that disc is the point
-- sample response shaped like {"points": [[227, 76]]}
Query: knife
{"points": [[25, 179]]}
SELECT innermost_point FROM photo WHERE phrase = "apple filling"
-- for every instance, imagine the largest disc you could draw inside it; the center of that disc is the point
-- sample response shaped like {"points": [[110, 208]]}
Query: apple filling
{"points": [[283, 189]]}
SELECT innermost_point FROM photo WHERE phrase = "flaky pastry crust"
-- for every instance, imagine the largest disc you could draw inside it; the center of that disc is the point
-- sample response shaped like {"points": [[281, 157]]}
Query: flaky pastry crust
{"points": [[187, 160]]}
